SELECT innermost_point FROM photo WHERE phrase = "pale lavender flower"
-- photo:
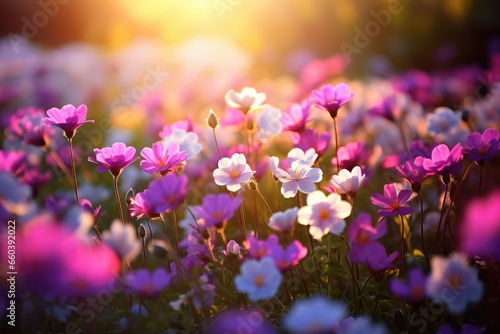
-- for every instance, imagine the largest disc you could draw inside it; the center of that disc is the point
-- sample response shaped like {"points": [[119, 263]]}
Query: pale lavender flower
{"points": [[283, 221], [233, 173], [258, 279], [348, 182]]}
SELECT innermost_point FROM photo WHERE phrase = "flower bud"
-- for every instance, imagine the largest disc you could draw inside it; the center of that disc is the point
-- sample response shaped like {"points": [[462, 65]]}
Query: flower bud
{"points": [[142, 231], [212, 120]]}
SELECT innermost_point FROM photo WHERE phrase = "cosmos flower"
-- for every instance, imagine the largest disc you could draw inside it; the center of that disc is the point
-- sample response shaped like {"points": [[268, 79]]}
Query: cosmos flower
{"points": [[187, 141], [414, 172], [233, 173], [453, 282], [286, 258], [68, 118], [295, 117], [331, 98], [482, 147], [26, 126], [259, 248], [268, 122], [167, 193], [246, 100], [413, 289], [217, 209], [352, 155], [140, 206], [391, 107], [259, 279], [283, 221], [324, 214], [314, 316], [363, 238], [122, 238], [186, 125], [442, 120], [114, 159], [443, 161], [378, 264], [12, 162], [162, 158], [348, 182], [392, 202], [480, 227], [147, 284], [309, 138]]}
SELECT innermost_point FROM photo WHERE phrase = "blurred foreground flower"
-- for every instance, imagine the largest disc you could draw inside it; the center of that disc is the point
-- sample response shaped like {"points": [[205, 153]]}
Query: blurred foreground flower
{"points": [[259, 279]]}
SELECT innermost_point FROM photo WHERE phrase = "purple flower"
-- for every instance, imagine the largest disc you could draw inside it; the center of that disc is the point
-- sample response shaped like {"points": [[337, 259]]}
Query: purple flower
{"points": [[144, 283], [167, 193], [68, 118], [331, 98], [141, 206], [162, 158], [380, 263], [392, 202], [352, 155], [285, 259], [413, 289], [26, 126], [295, 117], [483, 147], [480, 228], [235, 321], [391, 107], [363, 238], [414, 172], [443, 161], [114, 159], [309, 139], [12, 162], [186, 125], [259, 248], [217, 209]]}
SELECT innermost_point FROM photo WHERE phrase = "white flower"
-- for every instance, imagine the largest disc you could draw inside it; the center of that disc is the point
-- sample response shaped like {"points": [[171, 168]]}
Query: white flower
{"points": [[283, 221], [233, 173], [259, 279], [348, 182], [453, 282], [314, 315], [324, 214], [122, 238], [246, 100], [188, 141], [308, 157], [268, 122], [300, 176]]}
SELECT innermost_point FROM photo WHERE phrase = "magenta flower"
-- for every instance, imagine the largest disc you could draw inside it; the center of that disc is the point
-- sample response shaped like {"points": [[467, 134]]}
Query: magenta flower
{"points": [[295, 117], [68, 118], [310, 138], [162, 158], [259, 248], [392, 202], [331, 98], [147, 284], [414, 172], [480, 228], [391, 107], [140, 206], [27, 126], [483, 147], [413, 289], [378, 264], [186, 125], [285, 259], [217, 209], [167, 193], [443, 161], [352, 155], [114, 159], [363, 238], [12, 162]]}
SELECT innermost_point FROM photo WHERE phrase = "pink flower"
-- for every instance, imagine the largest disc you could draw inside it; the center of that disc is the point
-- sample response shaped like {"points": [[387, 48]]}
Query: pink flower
{"points": [[114, 159], [295, 117], [443, 161], [162, 158], [393, 203], [363, 238], [331, 98], [68, 118], [140, 207], [233, 173]]}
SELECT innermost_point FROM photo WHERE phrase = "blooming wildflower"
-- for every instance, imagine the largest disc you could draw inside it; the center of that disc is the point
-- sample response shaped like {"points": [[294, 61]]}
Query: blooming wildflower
{"points": [[309, 138], [140, 207], [283, 221], [352, 155], [246, 100], [144, 283], [331, 98], [162, 158], [12, 162], [114, 159], [442, 120], [300, 176], [391, 107], [167, 193], [68, 118], [363, 238], [414, 172], [259, 279], [413, 289], [217, 209], [232, 247], [480, 228], [392, 202], [348, 182], [285, 259], [295, 117], [268, 122], [187, 141], [122, 238], [380, 263], [27, 126], [324, 214], [186, 125], [233, 173], [453, 282], [314, 316], [482, 147], [260, 248], [443, 161]]}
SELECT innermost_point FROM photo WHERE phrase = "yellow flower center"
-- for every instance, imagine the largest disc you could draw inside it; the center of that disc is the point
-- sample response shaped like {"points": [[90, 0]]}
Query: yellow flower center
{"points": [[259, 280], [362, 237], [323, 214], [455, 282], [148, 287], [234, 173]]}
